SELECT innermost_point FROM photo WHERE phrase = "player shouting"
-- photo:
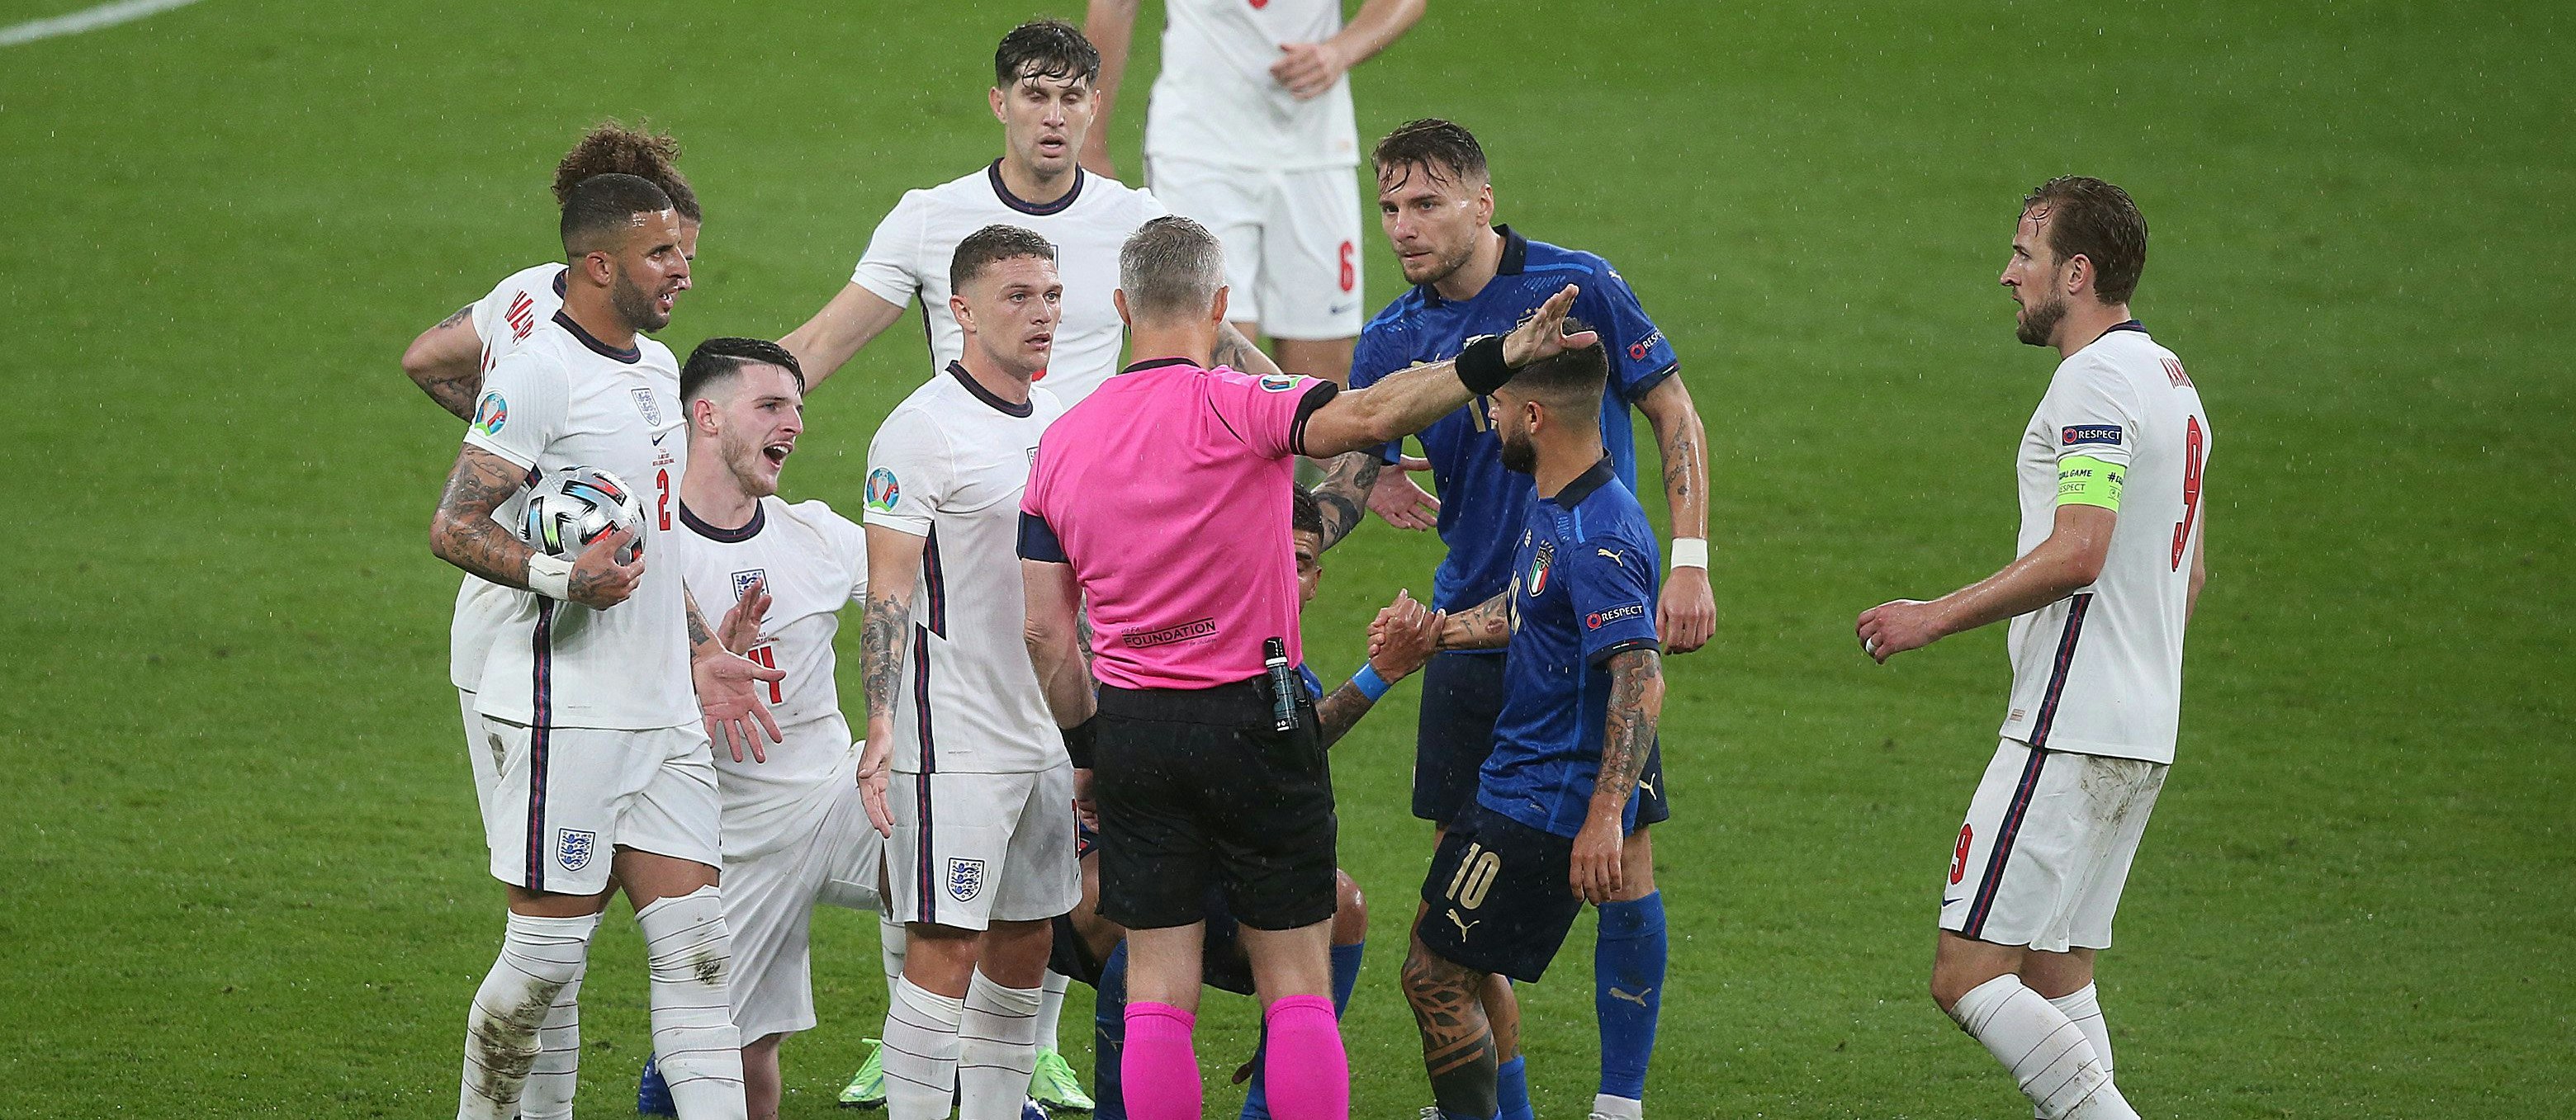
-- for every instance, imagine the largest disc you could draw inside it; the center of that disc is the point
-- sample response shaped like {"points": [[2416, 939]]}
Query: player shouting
{"points": [[2110, 568]]}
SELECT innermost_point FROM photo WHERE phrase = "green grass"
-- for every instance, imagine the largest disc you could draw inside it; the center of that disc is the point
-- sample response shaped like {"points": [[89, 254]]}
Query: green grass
{"points": [[249, 875]]}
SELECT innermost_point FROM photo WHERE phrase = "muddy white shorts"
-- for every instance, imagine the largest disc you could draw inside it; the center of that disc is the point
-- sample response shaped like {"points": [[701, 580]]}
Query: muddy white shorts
{"points": [[564, 799], [972, 849], [2047, 846]]}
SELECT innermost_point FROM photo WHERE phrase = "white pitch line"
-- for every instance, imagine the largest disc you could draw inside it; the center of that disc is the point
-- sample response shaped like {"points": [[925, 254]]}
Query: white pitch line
{"points": [[87, 19]]}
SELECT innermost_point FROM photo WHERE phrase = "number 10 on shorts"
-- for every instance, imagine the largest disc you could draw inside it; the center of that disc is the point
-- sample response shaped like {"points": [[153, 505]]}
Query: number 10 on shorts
{"points": [[1476, 870]]}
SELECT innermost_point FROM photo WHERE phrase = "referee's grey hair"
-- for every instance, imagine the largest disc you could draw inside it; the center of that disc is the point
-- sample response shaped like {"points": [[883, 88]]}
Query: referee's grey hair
{"points": [[1171, 267]]}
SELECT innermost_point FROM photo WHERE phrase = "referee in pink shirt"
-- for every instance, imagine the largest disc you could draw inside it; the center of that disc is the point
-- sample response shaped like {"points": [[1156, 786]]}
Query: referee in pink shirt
{"points": [[1163, 500]]}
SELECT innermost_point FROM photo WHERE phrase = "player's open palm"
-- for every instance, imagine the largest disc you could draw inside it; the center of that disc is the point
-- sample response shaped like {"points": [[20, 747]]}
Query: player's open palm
{"points": [[1543, 336], [729, 697], [598, 580], [1596, 875], [874, 763], [1686, 614], [1401, 502]]}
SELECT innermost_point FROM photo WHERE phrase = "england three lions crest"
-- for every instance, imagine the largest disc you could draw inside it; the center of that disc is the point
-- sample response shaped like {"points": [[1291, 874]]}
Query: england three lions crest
{"points": [[743, 581], [646, 403], [965, 879], [573, 848]]}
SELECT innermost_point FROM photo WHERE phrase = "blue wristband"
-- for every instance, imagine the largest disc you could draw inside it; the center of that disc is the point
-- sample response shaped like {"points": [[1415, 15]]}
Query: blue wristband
{"points": [[1370, 684]]}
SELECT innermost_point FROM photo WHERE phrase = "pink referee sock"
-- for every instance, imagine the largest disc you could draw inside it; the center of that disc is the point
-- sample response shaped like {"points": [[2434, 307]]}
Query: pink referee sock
{"points": [[1307, 1073], [1160, 1072]]}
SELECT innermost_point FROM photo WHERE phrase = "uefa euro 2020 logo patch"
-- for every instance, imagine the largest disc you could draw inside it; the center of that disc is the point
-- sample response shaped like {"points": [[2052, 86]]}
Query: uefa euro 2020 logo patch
{"points": [[965, 879], [492, 413], [1277, 383], [573, 848], [883, 490]]}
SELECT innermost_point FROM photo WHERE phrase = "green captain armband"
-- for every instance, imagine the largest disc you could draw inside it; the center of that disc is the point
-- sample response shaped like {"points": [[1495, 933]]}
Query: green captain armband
{"points": [[2083, 480]]}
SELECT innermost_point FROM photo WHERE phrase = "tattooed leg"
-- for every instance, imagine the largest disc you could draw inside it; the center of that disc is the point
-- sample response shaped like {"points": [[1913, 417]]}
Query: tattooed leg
{"points": [[1457, 1041]]}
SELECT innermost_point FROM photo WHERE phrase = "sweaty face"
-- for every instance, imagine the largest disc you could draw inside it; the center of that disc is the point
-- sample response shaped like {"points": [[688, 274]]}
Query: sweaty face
{"points": [[1044, 121], [1310, 566], [1012, 308], [758, 425], [1510, 417], [649, 271], [2036, 279], [1432, 217]]}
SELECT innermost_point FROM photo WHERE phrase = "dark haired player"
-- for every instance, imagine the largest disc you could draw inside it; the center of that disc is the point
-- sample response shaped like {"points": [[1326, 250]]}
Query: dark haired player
{"points": [[1471, 277], [1556, 798], [2110, 569], [1042, 94], [603, 771]]}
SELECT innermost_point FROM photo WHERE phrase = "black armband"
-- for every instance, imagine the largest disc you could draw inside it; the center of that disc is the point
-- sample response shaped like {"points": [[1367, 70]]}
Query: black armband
{"points": [[1078, 741], [1480, 365]]}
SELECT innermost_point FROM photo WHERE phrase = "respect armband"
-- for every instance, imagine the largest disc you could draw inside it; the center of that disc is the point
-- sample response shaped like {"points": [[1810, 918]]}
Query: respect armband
{"points": [[2083, 480]]}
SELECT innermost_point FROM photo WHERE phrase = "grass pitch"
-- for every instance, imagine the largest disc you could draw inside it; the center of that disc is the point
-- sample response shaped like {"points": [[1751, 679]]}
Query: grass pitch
{"points": [[249, 880]]}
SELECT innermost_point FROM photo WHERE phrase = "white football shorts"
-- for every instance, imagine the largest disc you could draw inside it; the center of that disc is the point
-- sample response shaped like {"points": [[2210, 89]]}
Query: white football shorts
{"points": [[566, 798], [1292, 248], [482, 754], [2047, 847], [770, 894], [972, 849]]}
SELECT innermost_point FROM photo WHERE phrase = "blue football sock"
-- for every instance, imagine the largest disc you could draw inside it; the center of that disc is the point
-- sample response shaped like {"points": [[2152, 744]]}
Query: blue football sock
{"points": [[1109, 1036], [1511, 1089], [1346, 974], [1628, 991]]}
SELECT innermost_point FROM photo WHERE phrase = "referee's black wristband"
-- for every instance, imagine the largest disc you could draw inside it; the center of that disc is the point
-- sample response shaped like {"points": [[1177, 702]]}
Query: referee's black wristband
{"points": [[1480, 365], [1078, 741]]}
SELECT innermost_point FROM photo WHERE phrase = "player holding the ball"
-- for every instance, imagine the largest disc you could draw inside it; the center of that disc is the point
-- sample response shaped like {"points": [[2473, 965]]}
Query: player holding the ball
{"points": [[601, 768]]}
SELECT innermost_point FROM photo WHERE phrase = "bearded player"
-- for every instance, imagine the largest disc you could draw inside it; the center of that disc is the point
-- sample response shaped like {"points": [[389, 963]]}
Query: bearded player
{"points": [[603, 769], [2110, 569]]}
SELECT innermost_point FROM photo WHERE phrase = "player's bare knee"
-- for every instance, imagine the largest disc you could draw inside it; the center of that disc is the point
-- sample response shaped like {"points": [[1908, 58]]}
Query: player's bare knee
{"points": [[1350, 910]]}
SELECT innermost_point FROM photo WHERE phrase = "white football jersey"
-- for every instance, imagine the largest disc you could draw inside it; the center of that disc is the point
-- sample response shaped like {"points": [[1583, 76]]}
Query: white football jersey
{"points": [[566, 399], [2100, 672], [949, 465], [913, 246], [1215, 102], [517, 308], [815, 562]]}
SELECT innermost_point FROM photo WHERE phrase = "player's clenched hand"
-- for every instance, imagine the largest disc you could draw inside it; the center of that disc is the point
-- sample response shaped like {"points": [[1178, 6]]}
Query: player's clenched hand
{"points": [[1596, 874], [1686, 614], [1544, 335], [1896, 626], [729, 690], [1403, 637], [1399, 501], [1086, 811], [740, 629], [1308, 70], [873, 764], [598, 581]]}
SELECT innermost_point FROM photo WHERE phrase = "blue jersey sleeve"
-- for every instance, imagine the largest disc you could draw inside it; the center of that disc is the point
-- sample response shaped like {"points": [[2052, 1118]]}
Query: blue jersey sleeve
{"points": [[1640, 356], [1613, 594]]}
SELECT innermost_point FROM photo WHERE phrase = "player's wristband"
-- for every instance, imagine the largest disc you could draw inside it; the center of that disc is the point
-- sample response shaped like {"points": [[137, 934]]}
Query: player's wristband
{"points": [[1690, 552], [1480, 365], [1370, 683], [550, 576], [1078, 741]]}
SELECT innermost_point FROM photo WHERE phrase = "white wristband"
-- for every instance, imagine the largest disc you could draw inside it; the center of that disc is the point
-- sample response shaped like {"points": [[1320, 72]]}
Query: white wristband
{"points": [[550, 576], [1690, 552]]}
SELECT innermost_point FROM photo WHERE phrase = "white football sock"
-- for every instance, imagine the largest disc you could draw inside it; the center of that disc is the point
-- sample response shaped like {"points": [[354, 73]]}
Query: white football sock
{"points": [[1051, 1008], [921, 1052], [997, 1049], [2046, 1052], [2085, 1009], [1617, 1108], [505, 1029], [690, 955], [891, 942], [558, 1067]]}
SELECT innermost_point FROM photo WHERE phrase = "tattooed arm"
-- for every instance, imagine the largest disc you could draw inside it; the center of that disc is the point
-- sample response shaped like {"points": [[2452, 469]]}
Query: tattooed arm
{"points": [[464, 534], [1400, 640], [1488, 625], [446, 361], [1636, 703], [1686, 613], [894, 570], [1344, 493], [1237, 353]]}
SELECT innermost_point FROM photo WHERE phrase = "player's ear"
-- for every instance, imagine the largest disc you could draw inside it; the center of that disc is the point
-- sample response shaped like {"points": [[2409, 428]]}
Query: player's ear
{"points": [[702, 415], [1119, 296], [996, 95], [958, 310], [1219, 309], [2079, 275]]}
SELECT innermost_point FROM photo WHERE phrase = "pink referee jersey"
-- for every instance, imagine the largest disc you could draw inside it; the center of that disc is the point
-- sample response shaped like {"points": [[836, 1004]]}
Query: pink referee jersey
{"points": [[1167, 491]]}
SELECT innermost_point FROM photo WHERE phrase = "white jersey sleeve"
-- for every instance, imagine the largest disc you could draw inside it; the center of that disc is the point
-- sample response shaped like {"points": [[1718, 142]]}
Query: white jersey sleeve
{"points": [[522, 410], [510, 312], [896, 259], [909, 473], [843, 540]]}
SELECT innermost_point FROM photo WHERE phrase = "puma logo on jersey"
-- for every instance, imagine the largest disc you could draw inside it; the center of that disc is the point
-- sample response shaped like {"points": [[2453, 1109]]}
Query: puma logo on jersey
{"points": [[1462, 924], [1647, 784], [1639, 998], [1620, 558]]}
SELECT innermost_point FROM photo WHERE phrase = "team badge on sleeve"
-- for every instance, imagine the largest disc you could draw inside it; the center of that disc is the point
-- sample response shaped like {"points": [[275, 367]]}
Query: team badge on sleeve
{"points": [[1599, 619], [883, 490], [490, 415], [965, 879], [573, 848]]}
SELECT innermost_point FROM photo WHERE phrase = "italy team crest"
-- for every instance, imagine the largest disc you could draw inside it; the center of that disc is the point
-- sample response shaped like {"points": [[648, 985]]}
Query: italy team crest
{"points": [[573, 848], [965, 879], [1540, 564]]}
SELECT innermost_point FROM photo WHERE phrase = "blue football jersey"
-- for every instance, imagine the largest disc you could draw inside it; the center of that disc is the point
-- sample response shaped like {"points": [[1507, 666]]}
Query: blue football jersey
{"points": [[1481, 504], [1583, 589]]}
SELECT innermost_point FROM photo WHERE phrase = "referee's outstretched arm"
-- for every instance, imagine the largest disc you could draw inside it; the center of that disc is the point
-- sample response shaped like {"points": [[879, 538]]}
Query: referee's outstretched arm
{"points": [[1408, 402]]}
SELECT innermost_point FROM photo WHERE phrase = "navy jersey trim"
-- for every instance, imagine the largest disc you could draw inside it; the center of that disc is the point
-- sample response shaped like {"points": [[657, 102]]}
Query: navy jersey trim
{"points": [[2059, 671], [921, 716], [559, 280], [1995, 860], [1317, 396], [1610, 651], [628, 356], [1584, 485], [2125, 325], [993, 174], [1023, 410], [540, 739], [700, 525], [934, 578], [923, 882]]}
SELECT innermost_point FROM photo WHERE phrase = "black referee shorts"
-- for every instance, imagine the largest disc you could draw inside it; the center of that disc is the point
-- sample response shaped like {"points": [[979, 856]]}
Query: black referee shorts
{"points": [[1196, 791], [1462, 699]]}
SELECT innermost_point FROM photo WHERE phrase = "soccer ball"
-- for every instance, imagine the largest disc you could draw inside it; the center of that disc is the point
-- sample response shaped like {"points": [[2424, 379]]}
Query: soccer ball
{"points": [[579, 505]]}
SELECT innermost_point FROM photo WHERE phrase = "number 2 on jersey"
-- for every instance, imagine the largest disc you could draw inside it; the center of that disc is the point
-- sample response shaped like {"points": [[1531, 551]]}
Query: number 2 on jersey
{"points": [[2191, 455], [662, 500]]}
